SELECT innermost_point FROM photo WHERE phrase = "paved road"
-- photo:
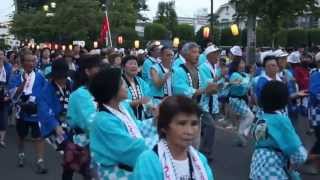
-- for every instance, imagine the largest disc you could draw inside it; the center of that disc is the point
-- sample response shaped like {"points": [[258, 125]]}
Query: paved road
{"points": [[230, 163]]}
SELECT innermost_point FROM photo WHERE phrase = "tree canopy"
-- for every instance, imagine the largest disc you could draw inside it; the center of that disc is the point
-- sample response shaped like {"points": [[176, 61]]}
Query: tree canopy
{"points": [[167, 16], [155, 31]]}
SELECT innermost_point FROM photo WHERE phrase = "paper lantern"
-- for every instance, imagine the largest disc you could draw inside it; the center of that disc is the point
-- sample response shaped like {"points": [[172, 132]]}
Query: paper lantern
{"points": [[234, 29], [63, 47], [46, 8], [53, 5], [176, 42], [136, 44], [206, 32], [95, 44], [70, 47], [120, 40]]}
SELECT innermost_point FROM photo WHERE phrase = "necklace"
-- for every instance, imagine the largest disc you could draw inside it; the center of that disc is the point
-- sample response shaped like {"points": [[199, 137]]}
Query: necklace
{"points": [[173, 164]]}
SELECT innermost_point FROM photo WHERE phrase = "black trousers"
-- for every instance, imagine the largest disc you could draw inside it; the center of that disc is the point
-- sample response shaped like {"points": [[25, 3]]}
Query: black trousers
{"points": [[207, 135], [316, 147], [67, 174]]}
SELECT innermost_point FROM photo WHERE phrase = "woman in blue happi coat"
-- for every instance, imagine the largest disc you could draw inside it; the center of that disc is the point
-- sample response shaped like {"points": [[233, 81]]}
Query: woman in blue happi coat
{"points": [[117, 138], [174, 158], [160, 86], [149, 61], [138, 89], [53, 104], [278, 150], [25, 87], [240, 83], [81, 109], [81, 104]]}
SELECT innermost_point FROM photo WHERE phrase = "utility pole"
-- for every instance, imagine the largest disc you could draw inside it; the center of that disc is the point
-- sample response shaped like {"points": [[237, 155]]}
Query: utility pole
{"points": [[211, 21]]}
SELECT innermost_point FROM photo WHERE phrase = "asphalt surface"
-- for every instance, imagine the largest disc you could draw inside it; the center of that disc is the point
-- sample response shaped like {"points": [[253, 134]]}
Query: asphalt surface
{"points": [[229, 163]]}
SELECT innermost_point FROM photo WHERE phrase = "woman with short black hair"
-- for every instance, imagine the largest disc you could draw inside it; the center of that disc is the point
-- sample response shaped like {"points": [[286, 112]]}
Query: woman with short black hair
{"points": [[174, 157], [115, 60], [278, 149], [81, 109], [240, 83], [117, 138], [138, 89]]}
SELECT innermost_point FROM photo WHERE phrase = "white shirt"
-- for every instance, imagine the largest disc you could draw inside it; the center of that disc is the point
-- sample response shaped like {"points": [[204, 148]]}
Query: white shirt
{"points": [[169, 88], [182, 169], [3, 74]]}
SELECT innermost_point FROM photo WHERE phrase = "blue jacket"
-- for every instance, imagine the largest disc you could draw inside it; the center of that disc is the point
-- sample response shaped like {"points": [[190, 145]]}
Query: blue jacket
{"points": [[39, 83], [49, 109], [8, 69]]}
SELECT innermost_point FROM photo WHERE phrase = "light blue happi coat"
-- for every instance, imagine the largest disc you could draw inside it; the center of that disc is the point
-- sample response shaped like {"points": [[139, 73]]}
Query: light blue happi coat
{"points": [[111, 144], [181, 84], [202, 59], [181, 60], [156, 91], [238, 90], [243, 88], [81, 109], [148, 167], [276, 144], [209, 103], [144, 88], [147, 64], [178, 61]]}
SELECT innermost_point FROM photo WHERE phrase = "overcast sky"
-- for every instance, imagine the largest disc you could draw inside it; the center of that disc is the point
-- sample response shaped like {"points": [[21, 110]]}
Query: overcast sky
{"points": [[185, 8]]}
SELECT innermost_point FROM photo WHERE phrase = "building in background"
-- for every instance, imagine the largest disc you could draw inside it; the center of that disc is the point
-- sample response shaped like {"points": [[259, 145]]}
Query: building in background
{"points": [[5, 37]]}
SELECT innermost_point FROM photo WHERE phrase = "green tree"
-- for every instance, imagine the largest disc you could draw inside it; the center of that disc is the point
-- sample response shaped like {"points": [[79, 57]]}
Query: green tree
{"points": [[314, 36], [155, 31], [185, 32], [263, 37], [73, 20], [297, 37], [204, 41], [227, 39], [23, 5], [272, 13], [139, 5], [123, 16], [167, 16], [129, 35]]}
